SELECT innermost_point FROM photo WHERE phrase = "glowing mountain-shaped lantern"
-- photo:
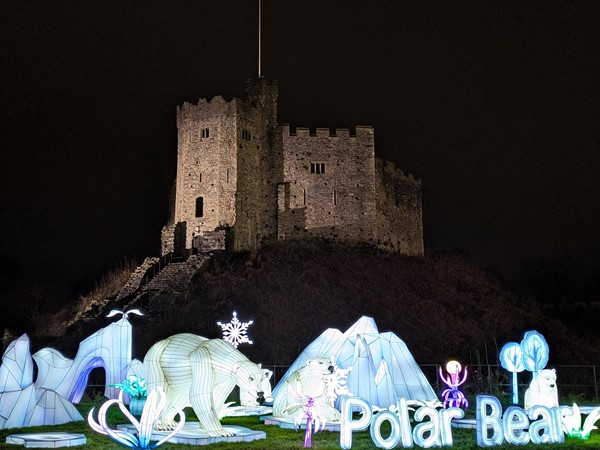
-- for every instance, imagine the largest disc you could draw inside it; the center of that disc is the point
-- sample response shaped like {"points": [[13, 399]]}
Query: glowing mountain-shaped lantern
{"points": [[383, 367]]}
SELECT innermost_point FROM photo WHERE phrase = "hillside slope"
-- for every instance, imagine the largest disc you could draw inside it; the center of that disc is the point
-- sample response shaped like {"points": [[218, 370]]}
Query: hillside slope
{"points": [[440, 307]]}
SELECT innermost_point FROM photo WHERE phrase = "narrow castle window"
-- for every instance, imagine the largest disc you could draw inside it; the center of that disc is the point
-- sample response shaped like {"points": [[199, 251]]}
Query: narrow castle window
{"points": [[246, 135], [304, 191], [200, 177], [204, 132], [335, 196], [199, 207], [227, 176], [318, 168]]}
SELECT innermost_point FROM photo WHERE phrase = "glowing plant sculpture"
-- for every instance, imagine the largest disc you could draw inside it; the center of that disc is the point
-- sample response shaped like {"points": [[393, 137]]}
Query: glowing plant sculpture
{"points": [[571, 422], [309, 412], [135, 387], [235, 332], [153, 410], [452, 396], [511, 358]]}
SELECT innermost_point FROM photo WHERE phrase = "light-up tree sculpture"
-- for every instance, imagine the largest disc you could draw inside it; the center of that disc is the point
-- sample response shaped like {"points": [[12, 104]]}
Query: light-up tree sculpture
{"points": [[531, 354], [511, 358], [535, 352]]}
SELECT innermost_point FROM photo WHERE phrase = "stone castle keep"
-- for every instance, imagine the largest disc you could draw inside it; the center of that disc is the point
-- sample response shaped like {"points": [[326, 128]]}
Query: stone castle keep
{"points": [[238, 170]]}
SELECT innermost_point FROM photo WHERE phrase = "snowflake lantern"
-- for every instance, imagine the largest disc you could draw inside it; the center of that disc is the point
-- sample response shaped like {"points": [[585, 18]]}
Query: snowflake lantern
{"points": [[235, 332]]}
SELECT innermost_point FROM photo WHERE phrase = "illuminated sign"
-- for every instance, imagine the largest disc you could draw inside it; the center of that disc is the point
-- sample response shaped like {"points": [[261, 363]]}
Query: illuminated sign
{"points": [[432, 427], [538, 425], [435, 431]]}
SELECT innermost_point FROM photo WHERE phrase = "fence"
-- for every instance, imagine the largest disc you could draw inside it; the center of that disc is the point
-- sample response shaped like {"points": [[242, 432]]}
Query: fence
{"points": [[573, 380]]}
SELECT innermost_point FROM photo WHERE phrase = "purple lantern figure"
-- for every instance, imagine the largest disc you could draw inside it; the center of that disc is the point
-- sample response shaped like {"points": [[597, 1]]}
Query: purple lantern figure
{"points": [[452, 396]]}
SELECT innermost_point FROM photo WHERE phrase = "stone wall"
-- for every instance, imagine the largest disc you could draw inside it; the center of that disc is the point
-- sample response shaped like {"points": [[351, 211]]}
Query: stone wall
{"points": [[399, 224], [329, 189]]}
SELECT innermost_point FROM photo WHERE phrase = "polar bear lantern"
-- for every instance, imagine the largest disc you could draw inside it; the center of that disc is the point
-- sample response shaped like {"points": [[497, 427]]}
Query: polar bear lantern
{"points": [[200, 372], [542, 390], [307, 382]]}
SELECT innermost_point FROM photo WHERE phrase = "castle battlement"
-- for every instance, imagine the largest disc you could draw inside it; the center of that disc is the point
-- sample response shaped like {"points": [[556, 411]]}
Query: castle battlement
{"points": [[343, 133], [206, 109]]}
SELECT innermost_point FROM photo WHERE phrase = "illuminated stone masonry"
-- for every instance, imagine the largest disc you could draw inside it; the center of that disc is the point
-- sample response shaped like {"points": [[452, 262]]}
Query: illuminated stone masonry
{"points": [[238, 169]]}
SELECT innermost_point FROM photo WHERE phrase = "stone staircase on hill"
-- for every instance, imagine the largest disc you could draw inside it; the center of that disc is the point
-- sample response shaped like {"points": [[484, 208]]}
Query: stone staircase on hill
{"points": [[173, 278], [154, 276]]}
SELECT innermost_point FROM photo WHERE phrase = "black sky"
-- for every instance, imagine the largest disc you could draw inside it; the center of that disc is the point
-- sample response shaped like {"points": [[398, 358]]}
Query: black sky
{"points": [[495, 105]]}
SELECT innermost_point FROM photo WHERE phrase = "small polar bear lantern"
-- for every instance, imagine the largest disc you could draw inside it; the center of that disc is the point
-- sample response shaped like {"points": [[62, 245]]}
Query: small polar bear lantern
{"points": [[200, 372], [542, 390], [307, 382]]}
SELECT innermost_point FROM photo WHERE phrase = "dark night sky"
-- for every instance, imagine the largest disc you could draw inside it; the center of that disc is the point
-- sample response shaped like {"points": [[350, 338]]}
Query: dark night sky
{"points": [[495, 105]]}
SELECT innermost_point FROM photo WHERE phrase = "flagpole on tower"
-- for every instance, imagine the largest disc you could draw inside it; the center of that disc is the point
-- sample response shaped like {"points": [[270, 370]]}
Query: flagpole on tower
{"points": [[259, 39]]}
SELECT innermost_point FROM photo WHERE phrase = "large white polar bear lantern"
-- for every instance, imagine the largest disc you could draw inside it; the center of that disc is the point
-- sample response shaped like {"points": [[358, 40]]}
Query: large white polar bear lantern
{"points": [[200, 372]]}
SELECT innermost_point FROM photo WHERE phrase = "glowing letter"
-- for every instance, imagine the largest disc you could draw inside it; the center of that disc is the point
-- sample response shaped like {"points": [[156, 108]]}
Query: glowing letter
{"points": [[446, 416], [515, 423], [547, 430], [432, 428], [348, 425], [487, 422], [405, 429], [394, 436], [540, 430]]}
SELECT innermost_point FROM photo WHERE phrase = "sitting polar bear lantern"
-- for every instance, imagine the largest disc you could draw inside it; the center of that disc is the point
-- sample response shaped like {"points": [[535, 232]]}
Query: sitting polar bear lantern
{"points": [[200, 372], [308, 381], [542, 390]]}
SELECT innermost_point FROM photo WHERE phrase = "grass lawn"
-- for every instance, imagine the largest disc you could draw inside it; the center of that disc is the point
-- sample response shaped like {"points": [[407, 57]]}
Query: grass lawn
{"points": [[276, 438]]}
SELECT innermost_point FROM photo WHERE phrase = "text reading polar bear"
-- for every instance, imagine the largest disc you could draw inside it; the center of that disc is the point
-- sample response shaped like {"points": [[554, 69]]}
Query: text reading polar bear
{"points": [[539, 425]]}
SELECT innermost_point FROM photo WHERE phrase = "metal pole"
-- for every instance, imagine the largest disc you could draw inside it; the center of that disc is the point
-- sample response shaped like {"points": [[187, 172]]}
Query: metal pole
{"points": [[595, 381], [259, 39]]}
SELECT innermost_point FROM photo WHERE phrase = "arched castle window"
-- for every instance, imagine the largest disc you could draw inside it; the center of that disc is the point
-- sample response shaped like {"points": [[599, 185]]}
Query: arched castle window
{"points": [[199, 207]]}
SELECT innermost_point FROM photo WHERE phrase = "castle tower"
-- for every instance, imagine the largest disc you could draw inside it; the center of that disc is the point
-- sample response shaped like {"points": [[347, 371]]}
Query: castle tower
{"points": [[260, 166], [225, 168]]}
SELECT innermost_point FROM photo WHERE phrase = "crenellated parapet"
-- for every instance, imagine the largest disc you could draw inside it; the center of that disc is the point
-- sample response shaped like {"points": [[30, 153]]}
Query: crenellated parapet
{"points": [[205, 109], [360, 132]]}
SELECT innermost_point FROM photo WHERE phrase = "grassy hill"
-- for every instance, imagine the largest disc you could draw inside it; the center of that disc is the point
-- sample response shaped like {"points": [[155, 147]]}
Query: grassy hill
{"points": [[441, 307]]}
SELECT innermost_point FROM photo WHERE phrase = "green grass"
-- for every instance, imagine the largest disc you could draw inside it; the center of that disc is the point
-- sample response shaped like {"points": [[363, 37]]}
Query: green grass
{"points": [[276, 438]]}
